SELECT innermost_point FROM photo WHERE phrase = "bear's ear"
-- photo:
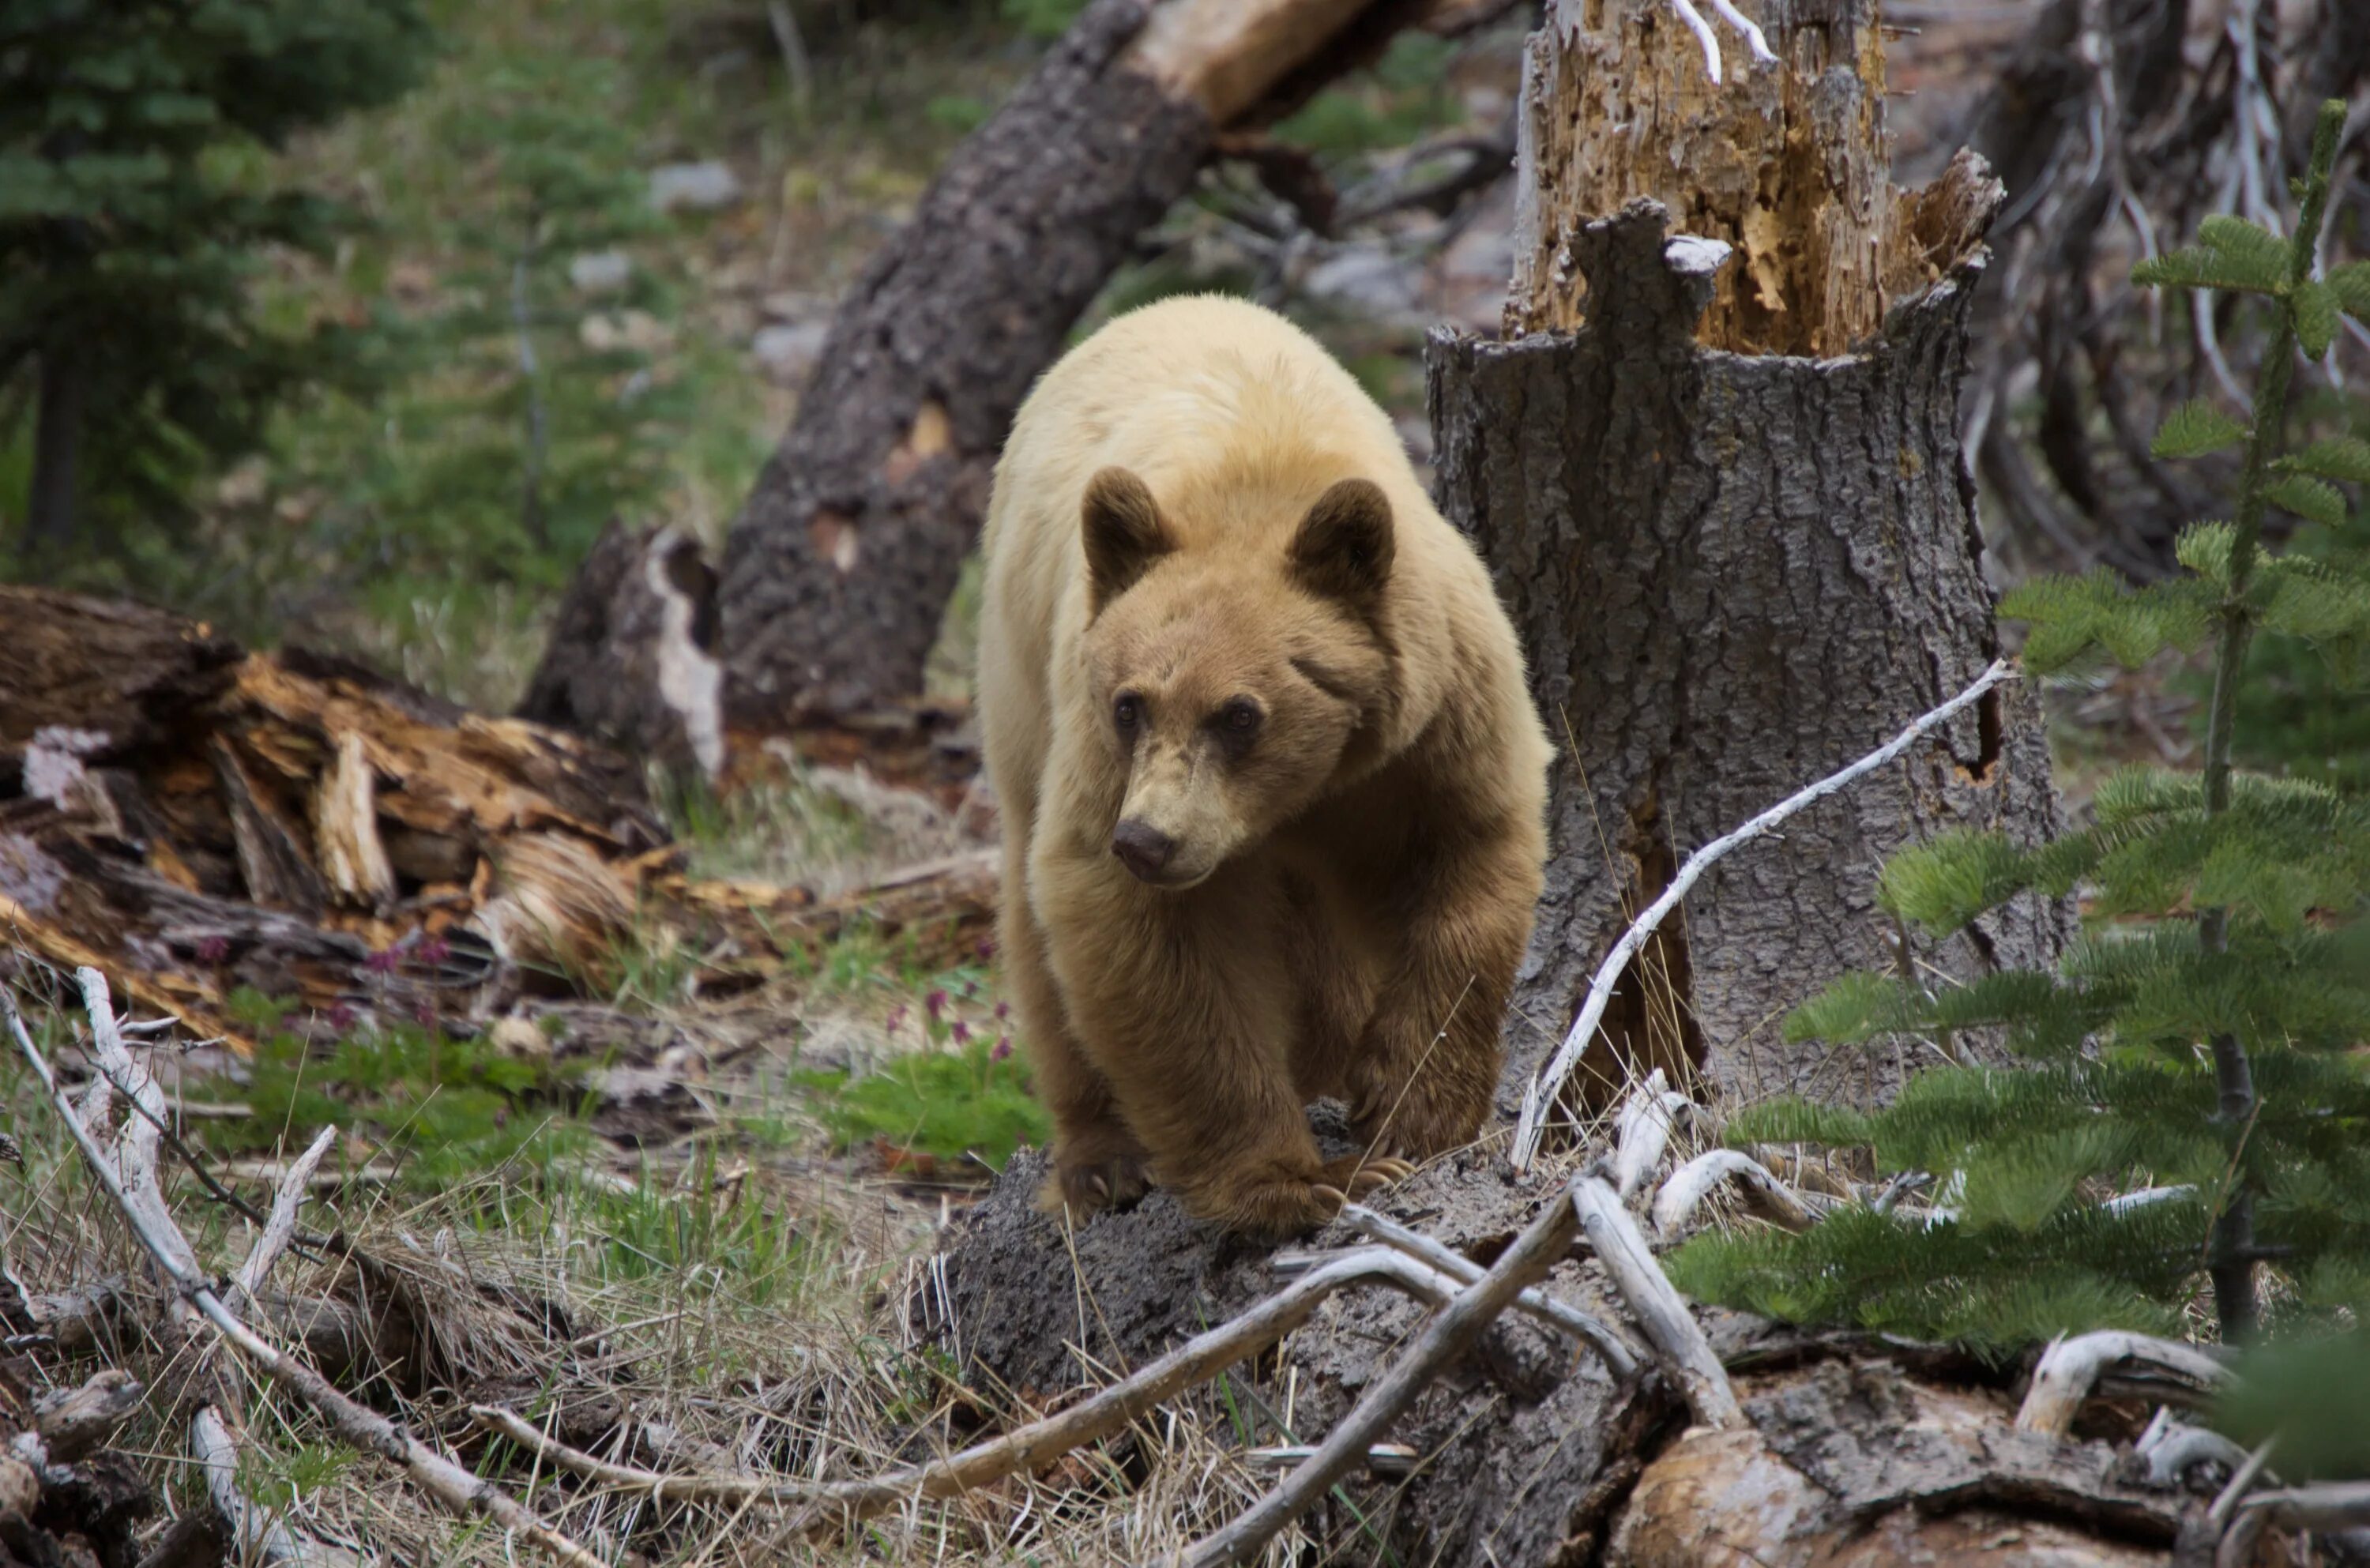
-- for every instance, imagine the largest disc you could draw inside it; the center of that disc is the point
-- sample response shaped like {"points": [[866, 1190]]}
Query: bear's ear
{"points": [[1122, 531], [1344, 547]]}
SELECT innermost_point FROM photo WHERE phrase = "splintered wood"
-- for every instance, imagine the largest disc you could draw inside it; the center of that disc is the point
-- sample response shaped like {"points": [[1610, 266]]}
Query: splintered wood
{"points": [[1785, 163], [196, 819]]}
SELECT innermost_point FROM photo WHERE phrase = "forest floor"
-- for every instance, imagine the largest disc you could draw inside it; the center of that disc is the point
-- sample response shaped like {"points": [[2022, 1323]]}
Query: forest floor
{"points": [[709, 1210]]}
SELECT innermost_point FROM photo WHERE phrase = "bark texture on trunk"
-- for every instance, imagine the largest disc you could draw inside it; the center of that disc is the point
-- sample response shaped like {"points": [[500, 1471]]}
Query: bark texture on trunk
{"points": [[841, 563], [1732, 576], [629, 661], [837, 573]]}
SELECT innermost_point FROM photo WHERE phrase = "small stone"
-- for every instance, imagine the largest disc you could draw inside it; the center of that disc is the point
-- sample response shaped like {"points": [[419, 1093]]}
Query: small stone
{"points": [[601, 272], [705, 186], [788, 351], [1367, 279]]}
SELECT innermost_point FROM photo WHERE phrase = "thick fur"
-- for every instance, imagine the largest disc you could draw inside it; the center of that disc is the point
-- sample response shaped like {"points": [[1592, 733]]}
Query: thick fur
{"points": [[1221, 609]]}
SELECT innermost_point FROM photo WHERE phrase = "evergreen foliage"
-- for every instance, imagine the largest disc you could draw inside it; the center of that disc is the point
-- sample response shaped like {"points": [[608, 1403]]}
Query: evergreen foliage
{"points": [[134, 219], [527, 412], [2194, 1050]]}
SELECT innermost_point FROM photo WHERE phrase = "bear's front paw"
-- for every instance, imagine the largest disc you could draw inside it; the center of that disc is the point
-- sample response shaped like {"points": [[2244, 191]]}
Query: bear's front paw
{"points": [[1385, 1117], [1086, 1187], [1276, 1207]]}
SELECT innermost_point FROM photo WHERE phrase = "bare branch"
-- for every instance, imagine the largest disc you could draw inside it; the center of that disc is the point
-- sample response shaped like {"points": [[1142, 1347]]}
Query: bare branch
{"points": [[1026, 1448], [1680, 1349], [1642, 1131], [1699, 1177], [1549, 1082], [281, 1229], [1615, 1351], [152, 1224], [1447, 1336], [2070, 1369]]}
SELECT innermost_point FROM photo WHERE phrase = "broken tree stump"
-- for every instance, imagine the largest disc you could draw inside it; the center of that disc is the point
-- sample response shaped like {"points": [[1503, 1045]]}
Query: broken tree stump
{"points": [[1719, 485]]}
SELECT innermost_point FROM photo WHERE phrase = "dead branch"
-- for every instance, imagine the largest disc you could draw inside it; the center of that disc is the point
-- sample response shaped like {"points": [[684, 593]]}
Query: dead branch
{"points": [[1549, 1082], [1449, 1335], [1691, 1183], [2070, 1369], [1024, 1449], [1680, 1349], [280, 1229], [1642, 1131], [152, 1224], [1615, 1351], [256, 1532]]}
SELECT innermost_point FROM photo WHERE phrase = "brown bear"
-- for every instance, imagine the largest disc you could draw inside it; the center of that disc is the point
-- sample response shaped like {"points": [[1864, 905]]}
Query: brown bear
{"points": [[1274, 793]]}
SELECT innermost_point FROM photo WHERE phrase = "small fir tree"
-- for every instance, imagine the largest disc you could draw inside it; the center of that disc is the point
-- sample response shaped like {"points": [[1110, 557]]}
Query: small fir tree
{"points": [[135, 210], [2192, 1051]]}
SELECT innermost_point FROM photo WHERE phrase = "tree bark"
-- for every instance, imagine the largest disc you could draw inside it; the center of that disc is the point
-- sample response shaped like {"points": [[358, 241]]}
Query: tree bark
{"points": [[837, 572], [1734, 565], [57, 451], [629, 661]]}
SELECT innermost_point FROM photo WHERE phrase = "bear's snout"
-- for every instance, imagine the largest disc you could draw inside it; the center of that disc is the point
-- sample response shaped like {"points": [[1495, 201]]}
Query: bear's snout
{"points": [[1142, 848]]}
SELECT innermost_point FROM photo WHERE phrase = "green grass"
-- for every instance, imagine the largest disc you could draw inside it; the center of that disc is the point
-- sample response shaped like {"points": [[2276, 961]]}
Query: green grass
{"points": [[942, 1102], [445, 1110]]}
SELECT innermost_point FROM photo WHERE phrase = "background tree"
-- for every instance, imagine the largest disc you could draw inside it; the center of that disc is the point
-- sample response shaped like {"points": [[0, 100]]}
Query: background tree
{"points": [[134, 216]]}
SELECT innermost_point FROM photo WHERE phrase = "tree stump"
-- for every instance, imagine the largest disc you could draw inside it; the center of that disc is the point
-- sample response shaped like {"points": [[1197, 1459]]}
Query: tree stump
{"points": [[1719, 484], [628, 662]]}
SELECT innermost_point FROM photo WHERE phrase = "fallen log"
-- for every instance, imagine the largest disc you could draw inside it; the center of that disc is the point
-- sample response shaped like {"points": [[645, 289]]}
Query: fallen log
{"points": [[837, 572], [194, 819]]}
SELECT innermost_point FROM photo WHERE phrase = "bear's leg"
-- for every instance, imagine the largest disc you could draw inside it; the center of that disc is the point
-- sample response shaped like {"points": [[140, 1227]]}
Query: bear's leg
{"points": [[1097, 1164], [1426, 1066], [1184, 1001]]}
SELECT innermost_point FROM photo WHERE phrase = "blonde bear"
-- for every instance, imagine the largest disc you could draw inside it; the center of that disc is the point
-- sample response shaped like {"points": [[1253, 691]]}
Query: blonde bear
{"points": [[1272, 790]]}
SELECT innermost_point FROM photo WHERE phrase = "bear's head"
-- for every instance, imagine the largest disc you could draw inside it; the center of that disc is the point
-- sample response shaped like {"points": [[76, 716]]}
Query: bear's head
{"points": [[1234, 684]]}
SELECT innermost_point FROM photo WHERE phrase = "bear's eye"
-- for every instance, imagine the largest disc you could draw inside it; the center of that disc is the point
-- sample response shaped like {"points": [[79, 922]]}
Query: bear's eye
{"points": [[1238, 723], [1127, 712]]}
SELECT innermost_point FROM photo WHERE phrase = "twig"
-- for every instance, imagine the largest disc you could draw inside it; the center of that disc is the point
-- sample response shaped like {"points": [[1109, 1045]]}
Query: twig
{"points": [[1610, 1347], [1699, 1177], [1447, 1336], [1025, 1449], [153, 1225], [2172, 1447], [1680, 1349], [796, 64], [2242, 1480], [1544, 1088], [256, 1535], [1642, 1131], [280, 1228], [2070, 1369], [2326, 1505]]}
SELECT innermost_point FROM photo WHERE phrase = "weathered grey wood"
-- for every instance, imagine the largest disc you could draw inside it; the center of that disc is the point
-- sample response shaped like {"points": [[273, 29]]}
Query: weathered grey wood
{"points": [[841, 560], [1731, 574]]}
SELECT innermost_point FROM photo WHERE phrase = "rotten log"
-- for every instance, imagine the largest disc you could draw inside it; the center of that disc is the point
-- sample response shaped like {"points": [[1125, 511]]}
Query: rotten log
{"points": [[838, 570], [193, 819], [1718, 484]]}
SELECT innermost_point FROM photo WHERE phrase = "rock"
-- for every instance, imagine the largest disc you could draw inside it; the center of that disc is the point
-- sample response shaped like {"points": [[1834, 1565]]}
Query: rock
{"points": [[705, 187], [788, 351], [601, 272], [635, 330], [1366, 278]]}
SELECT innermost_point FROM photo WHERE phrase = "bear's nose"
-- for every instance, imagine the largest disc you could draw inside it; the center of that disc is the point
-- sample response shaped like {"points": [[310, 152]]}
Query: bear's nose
{"points": [[1141, 847]]}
